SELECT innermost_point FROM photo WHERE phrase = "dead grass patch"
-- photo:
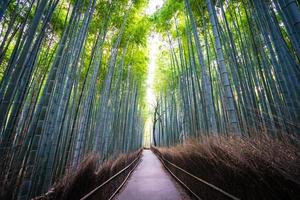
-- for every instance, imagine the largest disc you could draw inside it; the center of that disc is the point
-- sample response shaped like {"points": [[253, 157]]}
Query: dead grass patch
{"points": [[249, 168], [79, 182]]}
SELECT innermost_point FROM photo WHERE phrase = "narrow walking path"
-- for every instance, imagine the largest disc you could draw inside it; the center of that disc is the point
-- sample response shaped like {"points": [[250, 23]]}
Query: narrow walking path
{"points": [[150, 181]]}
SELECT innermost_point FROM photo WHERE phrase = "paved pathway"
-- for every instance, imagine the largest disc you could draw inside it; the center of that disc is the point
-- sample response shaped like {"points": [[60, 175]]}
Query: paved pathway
{"points": [[150, 181]]}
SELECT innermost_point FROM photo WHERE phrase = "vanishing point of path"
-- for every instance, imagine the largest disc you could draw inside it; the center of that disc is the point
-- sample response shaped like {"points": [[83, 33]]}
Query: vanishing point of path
{"points": [[150, 181]]}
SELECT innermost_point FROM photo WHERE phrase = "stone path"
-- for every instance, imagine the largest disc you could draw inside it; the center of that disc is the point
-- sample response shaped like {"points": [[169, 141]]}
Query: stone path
{"points": [[150, 181]]}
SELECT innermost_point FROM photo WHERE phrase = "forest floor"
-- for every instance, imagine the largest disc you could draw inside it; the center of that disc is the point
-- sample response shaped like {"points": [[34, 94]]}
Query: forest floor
{"points": [[150, 181]]}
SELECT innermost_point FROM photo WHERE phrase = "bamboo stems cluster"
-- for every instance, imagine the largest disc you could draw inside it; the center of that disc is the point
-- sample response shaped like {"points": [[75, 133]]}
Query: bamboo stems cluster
{"points": [[70, 86], [235, 69]]}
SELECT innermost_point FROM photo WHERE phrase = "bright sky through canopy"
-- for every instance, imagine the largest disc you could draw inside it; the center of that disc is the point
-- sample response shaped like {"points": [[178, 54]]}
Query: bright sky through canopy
{"points": [[153, 5], [153, 44]]}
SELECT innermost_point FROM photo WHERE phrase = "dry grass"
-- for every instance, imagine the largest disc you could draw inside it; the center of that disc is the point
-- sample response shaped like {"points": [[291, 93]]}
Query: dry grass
{"points": [[77, 183], [256, 168]]}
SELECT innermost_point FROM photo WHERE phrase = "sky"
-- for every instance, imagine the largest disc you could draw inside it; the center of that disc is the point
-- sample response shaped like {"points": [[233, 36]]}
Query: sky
{"points": [[153, 5], [153, 44]]}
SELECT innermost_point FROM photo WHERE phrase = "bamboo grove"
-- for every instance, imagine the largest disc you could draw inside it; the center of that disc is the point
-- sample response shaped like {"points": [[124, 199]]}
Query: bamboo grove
{"points": [[72, 79], [230, 68], [71, 84]]}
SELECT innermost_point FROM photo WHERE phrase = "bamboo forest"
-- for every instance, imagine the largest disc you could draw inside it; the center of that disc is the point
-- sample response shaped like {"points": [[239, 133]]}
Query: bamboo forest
{"points": [[149, 99]]}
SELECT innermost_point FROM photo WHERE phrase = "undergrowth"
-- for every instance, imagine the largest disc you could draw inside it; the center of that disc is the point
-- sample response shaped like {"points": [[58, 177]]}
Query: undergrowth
{"points": [[79, 182], [249, 168]]}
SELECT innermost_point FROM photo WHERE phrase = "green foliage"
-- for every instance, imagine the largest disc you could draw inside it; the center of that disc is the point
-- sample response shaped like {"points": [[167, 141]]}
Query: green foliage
{"points": [[164, 15], [163, 74], [59, 17]]}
